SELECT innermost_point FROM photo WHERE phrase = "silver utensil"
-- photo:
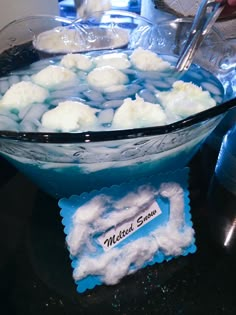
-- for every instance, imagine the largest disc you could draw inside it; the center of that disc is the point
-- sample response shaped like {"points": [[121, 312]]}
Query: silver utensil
{"points": [[207, 14]]}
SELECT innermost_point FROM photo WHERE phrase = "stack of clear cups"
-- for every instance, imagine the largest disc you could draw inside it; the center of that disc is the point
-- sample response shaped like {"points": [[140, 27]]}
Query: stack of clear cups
{"points": [[222, 195], [225, 170]]}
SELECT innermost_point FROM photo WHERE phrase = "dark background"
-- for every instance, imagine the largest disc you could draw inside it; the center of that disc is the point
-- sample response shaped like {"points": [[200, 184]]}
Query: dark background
{"points": [[36, 276]]}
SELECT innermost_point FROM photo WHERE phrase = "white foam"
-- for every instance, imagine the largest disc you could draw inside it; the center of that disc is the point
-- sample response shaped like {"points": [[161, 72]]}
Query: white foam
{"points": [[116, 60], [186, 99], [22, 94], [70, 116], [53, 76], [138, 113], [106, 76], [107, 87], [147, 60], [76, 61]]}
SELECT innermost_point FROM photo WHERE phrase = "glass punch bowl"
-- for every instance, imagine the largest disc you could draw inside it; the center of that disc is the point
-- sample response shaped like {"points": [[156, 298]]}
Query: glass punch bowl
{"points": [[66, 163]]}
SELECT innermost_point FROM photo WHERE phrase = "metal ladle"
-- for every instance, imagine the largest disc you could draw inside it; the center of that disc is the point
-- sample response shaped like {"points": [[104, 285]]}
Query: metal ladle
{"points": [[207, 14]]}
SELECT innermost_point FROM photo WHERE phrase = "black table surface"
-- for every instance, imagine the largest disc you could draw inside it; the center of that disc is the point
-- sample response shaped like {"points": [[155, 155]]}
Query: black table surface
{"points": [[36, 275]]}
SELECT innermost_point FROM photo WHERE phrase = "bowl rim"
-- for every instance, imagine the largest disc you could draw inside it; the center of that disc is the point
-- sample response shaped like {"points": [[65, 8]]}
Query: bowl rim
{"points": [[70, 21], [35, 17], [111, 135], [122, 134]]}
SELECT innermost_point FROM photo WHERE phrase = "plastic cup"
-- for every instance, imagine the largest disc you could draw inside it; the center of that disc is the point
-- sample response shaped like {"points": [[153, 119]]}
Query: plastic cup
{"points": [[225, 170]]}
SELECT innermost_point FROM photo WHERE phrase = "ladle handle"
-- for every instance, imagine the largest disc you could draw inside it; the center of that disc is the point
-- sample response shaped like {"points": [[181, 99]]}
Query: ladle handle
{"points": [[207, 14]]}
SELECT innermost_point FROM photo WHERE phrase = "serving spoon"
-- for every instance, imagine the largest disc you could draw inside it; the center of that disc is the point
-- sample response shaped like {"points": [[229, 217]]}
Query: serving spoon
{"points": [[207, 14]]}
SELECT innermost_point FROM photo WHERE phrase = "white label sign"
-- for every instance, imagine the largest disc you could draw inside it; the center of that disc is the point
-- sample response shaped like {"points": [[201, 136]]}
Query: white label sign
{"points": [[121, 232]]}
